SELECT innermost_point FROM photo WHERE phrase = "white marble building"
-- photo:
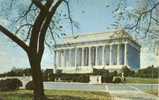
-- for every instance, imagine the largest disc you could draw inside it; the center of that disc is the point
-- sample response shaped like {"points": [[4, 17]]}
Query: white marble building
{"points": [[108, 50]]}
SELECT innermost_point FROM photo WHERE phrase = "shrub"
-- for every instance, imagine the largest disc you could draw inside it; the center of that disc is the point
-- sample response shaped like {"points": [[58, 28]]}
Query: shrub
{"points": [[48, 75], [74, 77], [149, 72], [127, 71], [29, 85], [107, 79], [83, 78], [117, 80], [108, 76], [10, 84], [102, 72]]}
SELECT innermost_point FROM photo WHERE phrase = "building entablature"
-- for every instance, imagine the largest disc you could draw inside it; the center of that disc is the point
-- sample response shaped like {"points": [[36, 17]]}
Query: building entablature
{"points": [[98, 43]]}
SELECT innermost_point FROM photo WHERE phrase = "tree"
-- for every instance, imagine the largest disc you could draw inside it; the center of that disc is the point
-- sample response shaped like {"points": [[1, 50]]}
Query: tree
{"points": [[39, 19], [149, 72], [127, 71], [147, 21], [33, 44], [142, 20]]}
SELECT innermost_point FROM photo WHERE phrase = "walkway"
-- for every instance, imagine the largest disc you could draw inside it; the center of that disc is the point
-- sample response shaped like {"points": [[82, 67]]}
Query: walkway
{"points": [[117, 91], [128, 92]]}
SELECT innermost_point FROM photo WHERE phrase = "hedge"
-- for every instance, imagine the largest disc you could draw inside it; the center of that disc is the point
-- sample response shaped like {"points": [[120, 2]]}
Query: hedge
{"points": [[73, 77], [29, 85], [10, 84]]}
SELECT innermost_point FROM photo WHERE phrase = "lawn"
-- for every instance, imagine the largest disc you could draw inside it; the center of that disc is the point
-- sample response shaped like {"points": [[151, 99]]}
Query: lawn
{"points": [[142, 80], [154, 92], [56, 95]]}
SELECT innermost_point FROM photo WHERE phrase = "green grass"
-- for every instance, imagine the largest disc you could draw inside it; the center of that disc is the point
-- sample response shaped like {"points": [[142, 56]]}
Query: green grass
{"points": [[142, 80], [154, 92], [56, 95]]}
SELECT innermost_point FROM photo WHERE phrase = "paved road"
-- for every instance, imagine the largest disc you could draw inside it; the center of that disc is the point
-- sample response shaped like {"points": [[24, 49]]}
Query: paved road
{"points": [[118, 91]]}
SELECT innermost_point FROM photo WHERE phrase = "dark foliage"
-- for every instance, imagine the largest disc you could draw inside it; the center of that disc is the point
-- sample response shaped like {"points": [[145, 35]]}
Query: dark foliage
{"points": [[102, 72], [73, 77], [29, 85], [117, 80], [149, 72], [128, 72], [107, 76], [107, 79], [17, 72], [10, 84], [48, 75]]}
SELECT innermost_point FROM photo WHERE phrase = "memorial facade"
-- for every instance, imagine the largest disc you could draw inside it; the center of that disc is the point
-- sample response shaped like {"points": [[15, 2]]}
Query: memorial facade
{"points": [[107, 50]]}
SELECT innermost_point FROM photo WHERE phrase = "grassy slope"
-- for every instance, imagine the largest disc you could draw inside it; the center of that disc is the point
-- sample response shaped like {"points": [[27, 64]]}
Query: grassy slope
{"points": [[154, 92], [56, 95], [142, 80]]}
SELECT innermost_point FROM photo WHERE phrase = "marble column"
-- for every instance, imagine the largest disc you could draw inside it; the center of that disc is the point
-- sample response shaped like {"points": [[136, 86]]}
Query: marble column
{"points": [[55, 58], [96, 58], [55, 66], [75, 57], [103, 49], [118, 54], [69, 54], [110, 54], [58, 58], [62, 58], [125, 54], [82, 57], [89, 64]]}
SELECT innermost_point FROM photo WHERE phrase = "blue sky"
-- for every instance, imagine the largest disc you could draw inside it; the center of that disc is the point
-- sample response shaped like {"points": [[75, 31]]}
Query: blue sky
{"points": [[92, 16]]}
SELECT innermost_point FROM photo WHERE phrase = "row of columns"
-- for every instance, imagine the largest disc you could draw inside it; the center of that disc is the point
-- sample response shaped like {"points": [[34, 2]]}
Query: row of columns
{"points": [[62, 58]]}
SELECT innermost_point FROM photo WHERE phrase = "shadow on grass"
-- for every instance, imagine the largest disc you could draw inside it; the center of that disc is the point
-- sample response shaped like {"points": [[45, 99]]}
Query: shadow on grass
{"points": [[15, 96], [99, 93], [52, 97], [63, 95]]}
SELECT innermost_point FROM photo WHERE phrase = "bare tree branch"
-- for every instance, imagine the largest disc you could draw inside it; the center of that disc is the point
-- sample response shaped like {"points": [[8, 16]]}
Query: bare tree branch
{"points": [[26, 12], [52, 35], [39, 4], [14, 38], [151, 9], [28, 34], [157, 21], [36, 30], [22, 26], [69, 15], [149, 24], [45, 27], [143, 14]]}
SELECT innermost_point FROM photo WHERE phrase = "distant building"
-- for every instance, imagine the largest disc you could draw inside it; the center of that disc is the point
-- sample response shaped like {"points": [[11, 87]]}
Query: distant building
{"points": [[108, 50]]}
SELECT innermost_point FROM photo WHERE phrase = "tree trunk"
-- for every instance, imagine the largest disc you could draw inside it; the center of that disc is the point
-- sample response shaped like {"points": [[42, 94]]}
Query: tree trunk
{"points": [[37, 78]]}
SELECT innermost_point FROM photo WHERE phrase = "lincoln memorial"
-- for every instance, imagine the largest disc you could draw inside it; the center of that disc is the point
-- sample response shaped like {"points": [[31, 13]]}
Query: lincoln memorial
{"points": [[107, 50]]}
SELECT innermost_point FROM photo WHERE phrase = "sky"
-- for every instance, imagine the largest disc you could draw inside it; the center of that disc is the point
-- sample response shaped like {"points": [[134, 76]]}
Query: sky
{"points": [[91, 15]]}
